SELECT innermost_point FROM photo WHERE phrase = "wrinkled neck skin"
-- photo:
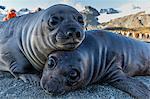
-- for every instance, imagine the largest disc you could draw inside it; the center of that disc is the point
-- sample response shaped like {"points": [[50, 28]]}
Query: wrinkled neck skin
{"points": [[34, 41], [97, 59], [97, 67], [94, 61], [103, 57]]}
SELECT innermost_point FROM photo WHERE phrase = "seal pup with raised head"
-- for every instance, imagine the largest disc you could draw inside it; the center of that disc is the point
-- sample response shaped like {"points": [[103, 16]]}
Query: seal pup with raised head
{"points": [[102, 57], [26, 41]]}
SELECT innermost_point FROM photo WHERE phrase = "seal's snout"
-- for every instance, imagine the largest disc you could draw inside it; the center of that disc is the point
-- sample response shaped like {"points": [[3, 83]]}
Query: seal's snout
{"points": [[52, 86], [74, 33], [70, 38]]}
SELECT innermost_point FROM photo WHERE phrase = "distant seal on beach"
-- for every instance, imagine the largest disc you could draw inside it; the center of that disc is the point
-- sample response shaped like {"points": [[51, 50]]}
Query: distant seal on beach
{"points": [[26, 41], [102, 57]]}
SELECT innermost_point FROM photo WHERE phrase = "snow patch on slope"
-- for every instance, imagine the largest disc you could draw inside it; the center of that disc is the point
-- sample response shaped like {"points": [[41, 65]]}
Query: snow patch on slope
{"points": [[126, 9]]}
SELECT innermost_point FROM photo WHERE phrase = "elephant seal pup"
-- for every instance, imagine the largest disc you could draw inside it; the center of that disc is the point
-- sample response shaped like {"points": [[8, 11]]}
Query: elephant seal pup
{"points": [[102, 57], [26, 41]]}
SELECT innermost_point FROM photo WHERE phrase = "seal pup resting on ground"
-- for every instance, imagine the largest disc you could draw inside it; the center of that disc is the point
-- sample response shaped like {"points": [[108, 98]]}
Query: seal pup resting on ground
{"points": [[102, 57], [26, 41]]}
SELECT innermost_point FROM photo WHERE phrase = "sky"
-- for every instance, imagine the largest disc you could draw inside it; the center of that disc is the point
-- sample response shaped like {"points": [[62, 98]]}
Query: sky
{"points": [[79, 4]]}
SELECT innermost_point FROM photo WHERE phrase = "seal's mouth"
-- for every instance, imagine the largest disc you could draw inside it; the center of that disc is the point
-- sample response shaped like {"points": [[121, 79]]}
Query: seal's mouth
{"points": [[71, 43], [68, 45], [52, 87]]}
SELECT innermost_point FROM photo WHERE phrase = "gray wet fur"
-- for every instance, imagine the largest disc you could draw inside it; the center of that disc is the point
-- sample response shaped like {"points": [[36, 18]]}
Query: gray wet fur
{"points": [[25, 41], [102, 57]]}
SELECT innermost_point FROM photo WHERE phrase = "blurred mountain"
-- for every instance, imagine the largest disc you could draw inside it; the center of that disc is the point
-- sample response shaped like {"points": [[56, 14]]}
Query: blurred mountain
{"points": [[141, 19], [23, 11], [2, 7], [108, 11], [124, 10], [2, 12], [90, 16], [128, 18]]}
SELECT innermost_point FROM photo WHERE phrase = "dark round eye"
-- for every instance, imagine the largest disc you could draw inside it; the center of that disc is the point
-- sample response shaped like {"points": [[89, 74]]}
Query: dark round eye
{"points": [[80, 20], [53, 21], [51, 63], [73, 75]]}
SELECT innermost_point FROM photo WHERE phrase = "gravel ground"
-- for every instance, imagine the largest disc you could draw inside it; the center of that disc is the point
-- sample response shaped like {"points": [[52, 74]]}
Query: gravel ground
{"points": [[11, 88]]}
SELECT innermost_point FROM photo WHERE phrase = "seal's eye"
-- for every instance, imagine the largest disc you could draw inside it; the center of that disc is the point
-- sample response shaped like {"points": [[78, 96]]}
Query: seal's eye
{"points": [[53, 21], [73, 75], [51, 63], [80, 20]]}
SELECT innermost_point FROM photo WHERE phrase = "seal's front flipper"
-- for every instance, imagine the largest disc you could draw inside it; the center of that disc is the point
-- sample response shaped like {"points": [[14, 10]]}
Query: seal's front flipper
{"points": [[132, 86], [30, 78]]}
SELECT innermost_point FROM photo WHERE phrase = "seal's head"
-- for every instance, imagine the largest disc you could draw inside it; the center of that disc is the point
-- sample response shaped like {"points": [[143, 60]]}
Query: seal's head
{"points": [[64, 26], [63, 72]]}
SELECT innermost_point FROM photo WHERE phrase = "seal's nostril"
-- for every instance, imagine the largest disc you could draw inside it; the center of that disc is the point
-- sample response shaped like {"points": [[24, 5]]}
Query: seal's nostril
{"points": [[78, 34], [73, 32]]}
